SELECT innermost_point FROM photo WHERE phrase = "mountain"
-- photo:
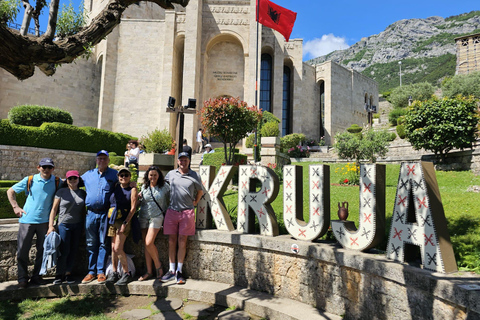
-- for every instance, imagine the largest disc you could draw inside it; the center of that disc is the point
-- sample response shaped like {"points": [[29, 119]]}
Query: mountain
{"points": [[426, 48]]}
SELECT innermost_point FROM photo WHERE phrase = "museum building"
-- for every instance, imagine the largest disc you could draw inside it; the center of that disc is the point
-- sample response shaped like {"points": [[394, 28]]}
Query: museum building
{"points": [[203, 51]]}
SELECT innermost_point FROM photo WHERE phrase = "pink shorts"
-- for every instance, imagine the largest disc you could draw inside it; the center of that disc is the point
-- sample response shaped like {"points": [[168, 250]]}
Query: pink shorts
{"points": [[179, 222]]}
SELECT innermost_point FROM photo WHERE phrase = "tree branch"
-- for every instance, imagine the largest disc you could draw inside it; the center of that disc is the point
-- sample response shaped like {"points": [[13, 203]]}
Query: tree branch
{"points": [[20, 54]]}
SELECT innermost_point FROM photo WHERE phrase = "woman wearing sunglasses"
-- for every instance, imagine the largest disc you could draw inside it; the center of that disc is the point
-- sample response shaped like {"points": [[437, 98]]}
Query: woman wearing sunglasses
{"points": [[123, 204], [154, 196], [69, 203]]}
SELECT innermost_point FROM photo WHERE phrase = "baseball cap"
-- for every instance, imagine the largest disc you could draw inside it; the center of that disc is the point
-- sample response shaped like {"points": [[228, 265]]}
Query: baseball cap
{"points": [[183, 154], [208, 145], [46, 162], [72, 173], [123, 168], [105, 152]]}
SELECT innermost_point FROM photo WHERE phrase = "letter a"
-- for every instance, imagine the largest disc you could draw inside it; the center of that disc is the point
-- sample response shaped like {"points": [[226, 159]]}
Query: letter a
{"points": [[418, 219], [214, 198], [371, 226], [251, 202], [319, 215]]}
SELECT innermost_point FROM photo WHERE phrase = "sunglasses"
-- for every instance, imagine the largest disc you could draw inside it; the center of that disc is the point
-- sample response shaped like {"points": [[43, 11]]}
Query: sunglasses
{"points": [[153, 168], [72, 178], [47, 167], [124, 175]]}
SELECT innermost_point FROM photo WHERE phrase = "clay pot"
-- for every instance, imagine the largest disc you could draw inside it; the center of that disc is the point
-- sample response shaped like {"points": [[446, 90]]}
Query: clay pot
{"points": [[343, 211]]}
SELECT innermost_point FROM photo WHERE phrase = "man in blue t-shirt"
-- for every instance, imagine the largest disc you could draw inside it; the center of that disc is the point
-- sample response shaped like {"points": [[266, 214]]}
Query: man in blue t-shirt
{"points": [[33, 218], [99, 185]]}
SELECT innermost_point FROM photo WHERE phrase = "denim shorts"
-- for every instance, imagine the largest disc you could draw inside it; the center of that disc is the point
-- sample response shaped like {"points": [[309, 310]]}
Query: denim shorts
{"points": [[154, 223]]}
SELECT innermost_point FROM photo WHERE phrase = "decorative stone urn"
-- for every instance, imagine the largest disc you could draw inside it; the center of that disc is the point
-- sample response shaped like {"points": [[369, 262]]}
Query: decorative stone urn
{"points": [[165, 162]]}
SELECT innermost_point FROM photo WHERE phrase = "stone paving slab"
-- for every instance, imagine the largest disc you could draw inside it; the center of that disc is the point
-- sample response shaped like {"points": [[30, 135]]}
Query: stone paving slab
{"points": [[136, 314], [251, 301], [198, 309], [233, 315]]}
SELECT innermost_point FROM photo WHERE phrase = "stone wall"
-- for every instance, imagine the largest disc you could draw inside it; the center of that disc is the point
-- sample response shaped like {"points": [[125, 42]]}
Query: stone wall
{"points": [[322, 274], [18, 162]]}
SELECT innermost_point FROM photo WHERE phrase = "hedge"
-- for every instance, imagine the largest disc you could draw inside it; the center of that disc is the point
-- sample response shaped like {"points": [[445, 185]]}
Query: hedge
{"points": [[217, 159], [34, 115], [62, 136], [6, 210]]}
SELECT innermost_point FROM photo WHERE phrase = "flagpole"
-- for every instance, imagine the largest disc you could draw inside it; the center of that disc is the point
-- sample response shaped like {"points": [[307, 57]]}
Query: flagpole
{"points": [[255, 147]]}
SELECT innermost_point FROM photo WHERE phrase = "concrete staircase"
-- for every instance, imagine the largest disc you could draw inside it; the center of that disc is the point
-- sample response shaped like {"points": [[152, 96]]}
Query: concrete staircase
{"points": [[195, 162]]}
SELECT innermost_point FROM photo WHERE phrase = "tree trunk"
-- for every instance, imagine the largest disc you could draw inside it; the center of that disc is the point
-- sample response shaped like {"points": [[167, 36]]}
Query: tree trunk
{"points": [[52, 20]]}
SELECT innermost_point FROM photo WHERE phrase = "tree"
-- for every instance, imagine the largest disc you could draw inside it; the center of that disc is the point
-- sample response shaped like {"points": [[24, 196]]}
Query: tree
{"points": [[369, 146], [20, 53], [230, 120], [418, 91], [465, 85], [442, 125]]}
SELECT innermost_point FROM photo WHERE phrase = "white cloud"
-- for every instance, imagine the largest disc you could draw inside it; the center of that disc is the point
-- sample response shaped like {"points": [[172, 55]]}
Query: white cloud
{"points": [[319, 47]]}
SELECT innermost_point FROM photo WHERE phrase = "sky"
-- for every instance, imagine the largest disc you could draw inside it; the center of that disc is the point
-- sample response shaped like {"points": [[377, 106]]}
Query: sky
{"points": [[331, 25]]}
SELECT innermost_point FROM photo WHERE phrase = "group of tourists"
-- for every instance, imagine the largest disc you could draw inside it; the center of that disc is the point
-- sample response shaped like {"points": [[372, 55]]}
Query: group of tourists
{"points": [[107, 208]]}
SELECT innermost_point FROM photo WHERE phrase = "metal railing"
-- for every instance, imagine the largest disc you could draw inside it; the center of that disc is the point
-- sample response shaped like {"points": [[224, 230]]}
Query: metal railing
{"points": [[17, 26]]}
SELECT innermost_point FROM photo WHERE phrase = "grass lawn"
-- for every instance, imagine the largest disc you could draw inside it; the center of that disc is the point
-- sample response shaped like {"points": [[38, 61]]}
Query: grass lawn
{"points": [[461, 207]]}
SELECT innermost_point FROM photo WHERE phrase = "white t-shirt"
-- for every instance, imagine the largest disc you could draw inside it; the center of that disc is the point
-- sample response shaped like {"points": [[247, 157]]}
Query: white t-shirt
{"points": [[199, 136]]}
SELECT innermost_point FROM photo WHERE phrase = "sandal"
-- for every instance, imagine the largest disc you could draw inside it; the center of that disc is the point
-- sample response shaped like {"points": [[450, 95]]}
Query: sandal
{"points": [[146, 276], [159, 273]]}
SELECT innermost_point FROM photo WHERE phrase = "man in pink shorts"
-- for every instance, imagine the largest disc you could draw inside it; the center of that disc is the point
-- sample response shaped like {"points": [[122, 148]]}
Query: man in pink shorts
{"points": [[185, 192]]}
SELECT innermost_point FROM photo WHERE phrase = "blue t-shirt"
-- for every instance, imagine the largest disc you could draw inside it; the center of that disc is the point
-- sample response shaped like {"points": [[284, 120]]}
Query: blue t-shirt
{"points": [[99, 188], [39, 201]]}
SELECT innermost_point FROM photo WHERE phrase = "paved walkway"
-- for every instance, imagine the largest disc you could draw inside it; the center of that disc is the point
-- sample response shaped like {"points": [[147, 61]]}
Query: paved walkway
{"points": [[203, 295]]}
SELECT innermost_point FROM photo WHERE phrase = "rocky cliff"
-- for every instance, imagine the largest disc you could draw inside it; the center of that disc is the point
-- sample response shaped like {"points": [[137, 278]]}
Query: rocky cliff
{"points": [[423, 46]]}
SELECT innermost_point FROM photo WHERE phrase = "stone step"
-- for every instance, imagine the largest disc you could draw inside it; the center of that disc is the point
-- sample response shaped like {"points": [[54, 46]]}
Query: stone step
{"points": [[254, 302]]}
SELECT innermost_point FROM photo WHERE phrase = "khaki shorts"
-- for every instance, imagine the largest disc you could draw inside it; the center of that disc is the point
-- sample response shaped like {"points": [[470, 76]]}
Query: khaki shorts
{"points": [[113, 229]]}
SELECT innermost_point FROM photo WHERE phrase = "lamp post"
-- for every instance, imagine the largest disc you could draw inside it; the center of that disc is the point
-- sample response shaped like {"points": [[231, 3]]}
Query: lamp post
{"points": [[180, 111], [400, 65]]}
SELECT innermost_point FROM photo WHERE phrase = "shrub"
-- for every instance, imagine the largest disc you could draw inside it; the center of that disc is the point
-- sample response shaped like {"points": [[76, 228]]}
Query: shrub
{"points": [[291, 140], [401, 131], [33, 115], [311, 143], [392, 137], [465, 85], [299, 152], [250, 141], [270, 129], [418, 91], [354, 128], [268, 117], [6, 210], [442, 125], [400, 120], [395, 114], [372, 145], [158, 141], [63, 137]]}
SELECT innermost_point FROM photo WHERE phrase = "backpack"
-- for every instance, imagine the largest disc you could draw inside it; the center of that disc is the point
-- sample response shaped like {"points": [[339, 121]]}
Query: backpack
{"points": [[30, 180]]}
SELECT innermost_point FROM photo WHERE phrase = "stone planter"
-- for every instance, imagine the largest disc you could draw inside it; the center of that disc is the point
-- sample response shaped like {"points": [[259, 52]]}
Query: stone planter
{"points": [[165, 162], [270, 150]]}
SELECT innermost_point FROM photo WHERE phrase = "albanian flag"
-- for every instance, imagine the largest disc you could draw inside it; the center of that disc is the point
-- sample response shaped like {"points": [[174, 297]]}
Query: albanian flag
{"points": [[276, 17]]}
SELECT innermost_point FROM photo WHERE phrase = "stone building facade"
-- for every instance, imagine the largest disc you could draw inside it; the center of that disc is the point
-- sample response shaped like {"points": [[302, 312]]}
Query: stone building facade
{"points": [[468, 54], [203, 51]]}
